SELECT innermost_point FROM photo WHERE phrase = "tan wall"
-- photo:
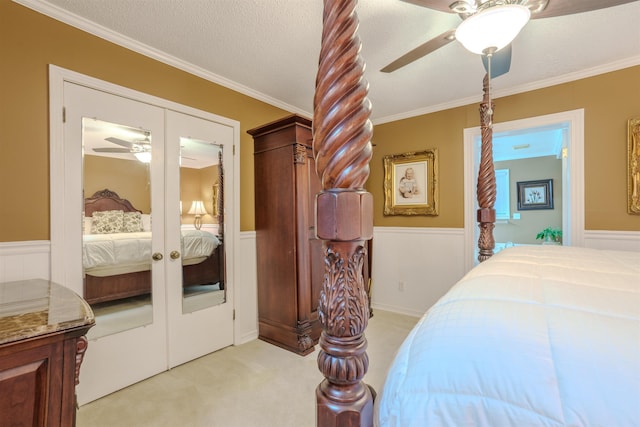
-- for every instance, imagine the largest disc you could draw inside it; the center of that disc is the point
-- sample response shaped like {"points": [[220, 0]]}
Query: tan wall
{"points": [[197, 184], [29, 42], [531, 222], [128, 178], [609, 100]]}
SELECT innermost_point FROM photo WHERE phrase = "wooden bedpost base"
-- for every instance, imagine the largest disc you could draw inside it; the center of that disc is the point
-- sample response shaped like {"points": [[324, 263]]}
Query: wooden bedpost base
{"points": [[486, 242], [357, 412]]}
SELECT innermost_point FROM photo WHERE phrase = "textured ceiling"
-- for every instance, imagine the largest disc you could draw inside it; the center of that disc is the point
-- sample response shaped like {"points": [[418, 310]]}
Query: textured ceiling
{"points": [[269, 48]]}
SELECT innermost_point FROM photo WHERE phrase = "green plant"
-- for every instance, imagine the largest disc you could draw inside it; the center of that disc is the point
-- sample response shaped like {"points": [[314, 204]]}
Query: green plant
{"points": [[550, 234]]}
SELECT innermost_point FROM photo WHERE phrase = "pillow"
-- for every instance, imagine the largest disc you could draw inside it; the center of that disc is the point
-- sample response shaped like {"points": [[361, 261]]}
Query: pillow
{"points": [[131, 222], [86, 225], [146, 222], [107, 222]]}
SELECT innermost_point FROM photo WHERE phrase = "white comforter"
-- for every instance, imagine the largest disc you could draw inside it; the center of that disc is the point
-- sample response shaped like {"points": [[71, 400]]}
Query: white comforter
{"points": [[536, 336], [103, 251]]}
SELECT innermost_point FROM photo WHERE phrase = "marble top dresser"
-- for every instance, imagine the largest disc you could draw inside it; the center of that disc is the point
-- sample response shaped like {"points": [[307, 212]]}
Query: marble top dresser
{"points": [[42, 343]]}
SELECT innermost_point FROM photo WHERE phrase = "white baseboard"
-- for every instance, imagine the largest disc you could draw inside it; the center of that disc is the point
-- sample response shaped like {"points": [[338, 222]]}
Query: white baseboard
{"points": [[395, 309]]}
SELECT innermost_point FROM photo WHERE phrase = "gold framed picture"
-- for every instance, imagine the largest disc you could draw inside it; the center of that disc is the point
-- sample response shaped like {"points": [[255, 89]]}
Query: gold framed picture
{"points": [[633, 166], [411, 183]]}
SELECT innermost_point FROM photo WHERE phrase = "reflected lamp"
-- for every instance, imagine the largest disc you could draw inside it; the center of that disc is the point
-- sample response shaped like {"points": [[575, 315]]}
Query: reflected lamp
{"points": [[197, 209]]}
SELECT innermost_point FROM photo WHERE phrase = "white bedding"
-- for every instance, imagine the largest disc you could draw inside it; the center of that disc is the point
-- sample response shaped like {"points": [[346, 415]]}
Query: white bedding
{"points": [[536, 336], [119, 253]]}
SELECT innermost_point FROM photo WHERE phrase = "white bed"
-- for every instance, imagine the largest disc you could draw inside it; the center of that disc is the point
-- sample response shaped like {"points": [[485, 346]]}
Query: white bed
{"points": [[120, 253], [535, 336]]}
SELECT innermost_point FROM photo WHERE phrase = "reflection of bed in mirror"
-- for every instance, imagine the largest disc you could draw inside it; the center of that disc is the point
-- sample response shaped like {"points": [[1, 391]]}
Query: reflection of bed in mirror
{"points": [[117, 263]]}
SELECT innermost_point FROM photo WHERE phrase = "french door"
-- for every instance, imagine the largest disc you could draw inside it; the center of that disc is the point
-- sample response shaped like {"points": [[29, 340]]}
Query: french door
{"points": [[138, 337]]}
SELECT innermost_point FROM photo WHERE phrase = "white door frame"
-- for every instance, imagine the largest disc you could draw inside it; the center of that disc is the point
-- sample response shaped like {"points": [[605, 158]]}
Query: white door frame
{"points": [[65, 268], [61, 265], [572, 172]]}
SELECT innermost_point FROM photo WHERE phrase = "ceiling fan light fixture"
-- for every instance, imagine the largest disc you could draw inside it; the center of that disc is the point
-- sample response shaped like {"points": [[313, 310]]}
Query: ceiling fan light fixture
{"points": [[494, 27], [143, 156]]}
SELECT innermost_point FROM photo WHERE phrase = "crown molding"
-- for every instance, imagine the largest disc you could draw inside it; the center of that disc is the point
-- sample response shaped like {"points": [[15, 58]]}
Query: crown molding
{"points": [[565, 78], [90, 27]]}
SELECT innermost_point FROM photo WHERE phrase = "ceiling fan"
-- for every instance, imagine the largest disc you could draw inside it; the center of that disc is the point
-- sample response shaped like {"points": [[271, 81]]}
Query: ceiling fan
{"points": [[501, 58]]}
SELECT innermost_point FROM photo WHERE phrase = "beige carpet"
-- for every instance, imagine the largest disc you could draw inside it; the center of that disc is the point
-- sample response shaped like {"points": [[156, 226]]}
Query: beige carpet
{"points": [[254, 384]]}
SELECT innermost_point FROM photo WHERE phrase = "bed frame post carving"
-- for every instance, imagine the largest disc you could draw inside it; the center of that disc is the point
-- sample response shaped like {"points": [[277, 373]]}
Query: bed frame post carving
{"points": [[486, 178], [342, 150]]}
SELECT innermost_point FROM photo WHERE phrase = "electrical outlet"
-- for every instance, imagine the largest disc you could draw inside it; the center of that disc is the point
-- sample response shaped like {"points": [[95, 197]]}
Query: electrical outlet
{"points": [[401, 286]]}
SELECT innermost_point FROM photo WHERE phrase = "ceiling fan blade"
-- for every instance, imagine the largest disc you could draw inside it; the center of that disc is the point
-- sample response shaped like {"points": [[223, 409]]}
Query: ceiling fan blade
{"points": [[440, 5], [120, 142], [500, 62], [422, 50], [111, 150], [569, 7]]}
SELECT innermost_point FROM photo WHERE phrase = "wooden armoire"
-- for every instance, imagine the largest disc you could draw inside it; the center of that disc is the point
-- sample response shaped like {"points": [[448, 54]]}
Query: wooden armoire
{"points": [[290, 260]]}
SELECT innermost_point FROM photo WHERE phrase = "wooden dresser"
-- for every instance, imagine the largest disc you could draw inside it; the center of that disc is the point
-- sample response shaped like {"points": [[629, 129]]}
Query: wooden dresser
{"points": [[42, 343], [290, 261]]}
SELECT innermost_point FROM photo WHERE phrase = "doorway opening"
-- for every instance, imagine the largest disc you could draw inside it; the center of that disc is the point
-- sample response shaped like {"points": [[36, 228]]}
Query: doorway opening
{"points": [[565, 131]]}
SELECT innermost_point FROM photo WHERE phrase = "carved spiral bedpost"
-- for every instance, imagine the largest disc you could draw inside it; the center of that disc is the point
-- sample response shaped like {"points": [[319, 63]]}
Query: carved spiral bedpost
{"points": [[342, 150], [220, 196], [486, 178]]}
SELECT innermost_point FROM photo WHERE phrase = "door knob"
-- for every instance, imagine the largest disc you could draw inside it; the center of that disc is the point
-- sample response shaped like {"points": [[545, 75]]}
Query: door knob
{"points": [[174, 254], [157, 256]]}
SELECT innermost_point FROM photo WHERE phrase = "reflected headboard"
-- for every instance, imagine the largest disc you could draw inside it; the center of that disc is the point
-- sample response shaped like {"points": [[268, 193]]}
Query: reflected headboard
{"points": [[107, 200]]}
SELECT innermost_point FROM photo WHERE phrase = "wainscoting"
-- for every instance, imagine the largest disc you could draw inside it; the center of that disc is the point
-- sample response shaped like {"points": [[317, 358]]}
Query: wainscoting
{"points": [[412, 268], [25, 260]]}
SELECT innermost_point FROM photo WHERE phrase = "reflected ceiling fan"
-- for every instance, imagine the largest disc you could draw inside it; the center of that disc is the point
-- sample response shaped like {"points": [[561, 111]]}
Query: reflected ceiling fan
{"points": [[135, 146], [141, 148], [474, 11]]}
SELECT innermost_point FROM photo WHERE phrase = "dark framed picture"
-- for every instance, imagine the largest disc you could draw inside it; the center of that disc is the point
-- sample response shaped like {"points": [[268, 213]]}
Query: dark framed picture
{"points": [[535, 194]]}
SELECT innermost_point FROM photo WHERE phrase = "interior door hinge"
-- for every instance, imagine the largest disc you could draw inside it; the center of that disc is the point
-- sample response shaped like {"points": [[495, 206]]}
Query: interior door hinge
{"points": [[234, 314], [64, 115], [234, 149]]}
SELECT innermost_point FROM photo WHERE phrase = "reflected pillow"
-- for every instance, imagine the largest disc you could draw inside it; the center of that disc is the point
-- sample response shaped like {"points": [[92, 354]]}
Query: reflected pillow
{"points": [[86, 225], [107, 222], [131, 222], [146, 222]]}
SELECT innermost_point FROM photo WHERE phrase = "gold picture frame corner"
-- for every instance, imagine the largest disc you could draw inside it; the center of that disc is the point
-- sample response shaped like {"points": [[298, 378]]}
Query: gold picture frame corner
{"points": [[633, 166]]}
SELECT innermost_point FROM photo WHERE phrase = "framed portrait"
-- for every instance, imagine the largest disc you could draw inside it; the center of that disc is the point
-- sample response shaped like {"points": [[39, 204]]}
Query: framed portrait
{"points": [[535, 194], [633, 167], [411, 183]]}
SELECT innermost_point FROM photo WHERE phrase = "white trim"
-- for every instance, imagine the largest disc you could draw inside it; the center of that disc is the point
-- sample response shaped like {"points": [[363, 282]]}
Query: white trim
{"points": [[90, 27], [573, 169], [25, 248], [396, 309], [418, 230], [500, 93], [613, 240], [57, 77]]}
